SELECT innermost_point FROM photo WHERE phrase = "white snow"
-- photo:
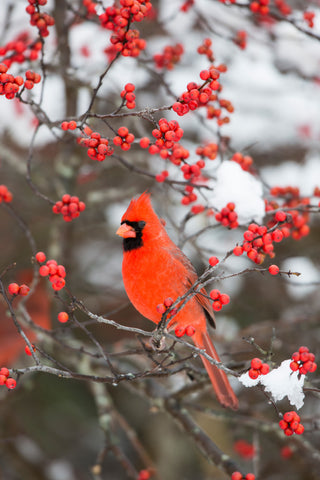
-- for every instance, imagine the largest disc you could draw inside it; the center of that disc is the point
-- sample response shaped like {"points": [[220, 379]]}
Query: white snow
{"points": [[233, 184], [307, 282], [281, 382]]}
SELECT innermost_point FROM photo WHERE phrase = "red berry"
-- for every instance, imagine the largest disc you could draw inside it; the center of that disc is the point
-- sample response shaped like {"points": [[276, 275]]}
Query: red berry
{"points": [[44, 270], [300, 429], [213, 261], [236, 476], [63, 317], [144, 475], [280, 216], [283, 424], [144, 142], [250, 476], [123, 131], [288, 417], [253, 373], [190, 330], [180, 331], [24, 290], [238, 250], [264, 369], [28, 351], [4, 371], [168, 302], [256, 363], [224, 299], [11, 383], [273, 269], [215, 294], [217, 305], [161, 308], [303, 349], [40, 257], [295, 356], [13, 288]]}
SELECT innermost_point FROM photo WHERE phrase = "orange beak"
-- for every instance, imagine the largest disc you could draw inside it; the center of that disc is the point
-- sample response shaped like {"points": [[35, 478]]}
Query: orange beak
{"points": [[126, 231]]}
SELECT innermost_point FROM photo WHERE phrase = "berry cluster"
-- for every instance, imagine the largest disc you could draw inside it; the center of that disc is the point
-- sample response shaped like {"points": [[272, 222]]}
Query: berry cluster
{"points": [[41, 20], [191, 172], [128, 95], [309, 18], [227, 216], [125, 40], [69, 207], [181, 331], [167, 145], [258, 243], [245, 161], [55, 272], [219, 299], [167, 136], [9, 85], [170, 56], [5, 194], [245, 449], [98, 147], [239, 476], [162, 307], [215, 111], [160, 177], [196, 209], [124, 138], [210, 151], [205, 49], [296, 224], [241, 39], [31, 79], [20, 49], [291, 424], [260, 6], [6, 380], [128, 43], [303, 360], [283, 7], [90, 7], [72, 125], [15, 289], [189, 196], [258, 368], [198, 95]]}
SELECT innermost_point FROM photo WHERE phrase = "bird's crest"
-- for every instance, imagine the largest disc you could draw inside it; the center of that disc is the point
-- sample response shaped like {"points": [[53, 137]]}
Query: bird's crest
{"points": [[139, 209]]}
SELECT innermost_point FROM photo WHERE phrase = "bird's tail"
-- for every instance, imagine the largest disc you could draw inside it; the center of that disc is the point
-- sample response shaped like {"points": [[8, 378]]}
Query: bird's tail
{"points": [[219, 379]]}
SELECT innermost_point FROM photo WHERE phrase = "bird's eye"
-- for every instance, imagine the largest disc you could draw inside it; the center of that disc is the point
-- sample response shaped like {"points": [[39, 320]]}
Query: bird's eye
{"points": [[141, 224]]}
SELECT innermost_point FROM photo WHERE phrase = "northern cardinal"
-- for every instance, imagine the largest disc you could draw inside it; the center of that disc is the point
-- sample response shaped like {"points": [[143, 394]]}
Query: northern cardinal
{"points": [[155, 269]]}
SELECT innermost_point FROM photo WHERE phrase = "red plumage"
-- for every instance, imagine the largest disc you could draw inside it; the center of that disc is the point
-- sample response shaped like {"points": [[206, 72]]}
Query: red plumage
{"points": [[153, 269]]}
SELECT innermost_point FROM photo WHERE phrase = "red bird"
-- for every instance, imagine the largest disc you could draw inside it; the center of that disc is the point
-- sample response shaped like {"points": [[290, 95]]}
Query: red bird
{"points": [[154, 269]]}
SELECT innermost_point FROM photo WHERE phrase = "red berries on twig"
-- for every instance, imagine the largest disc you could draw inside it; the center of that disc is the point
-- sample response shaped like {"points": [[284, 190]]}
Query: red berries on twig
{"points": [[303, 361], [290, 424]]}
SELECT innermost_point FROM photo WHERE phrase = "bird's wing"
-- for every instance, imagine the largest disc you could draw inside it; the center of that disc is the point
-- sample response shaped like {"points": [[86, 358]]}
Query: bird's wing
{"points": [[190, 278]]}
